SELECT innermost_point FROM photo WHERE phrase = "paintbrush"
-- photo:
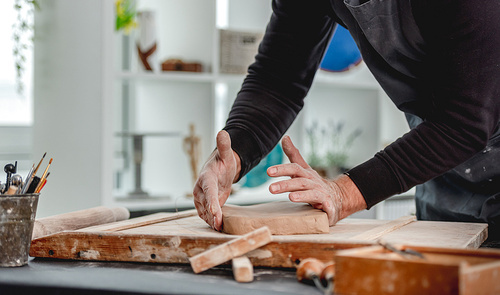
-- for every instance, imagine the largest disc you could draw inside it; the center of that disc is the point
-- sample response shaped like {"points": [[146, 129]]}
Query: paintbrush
{"points": [[28, 180], [42, 184], [44, 175], [39, 163]]}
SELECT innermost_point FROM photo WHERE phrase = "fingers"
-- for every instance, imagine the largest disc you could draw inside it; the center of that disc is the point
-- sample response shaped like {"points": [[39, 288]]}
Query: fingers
{"points": [[206, 202], [301, 190], [293, 153], [291, 169]]}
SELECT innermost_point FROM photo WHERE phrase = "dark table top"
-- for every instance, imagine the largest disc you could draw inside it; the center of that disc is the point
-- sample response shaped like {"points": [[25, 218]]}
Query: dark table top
{"points": [[46, 276]]}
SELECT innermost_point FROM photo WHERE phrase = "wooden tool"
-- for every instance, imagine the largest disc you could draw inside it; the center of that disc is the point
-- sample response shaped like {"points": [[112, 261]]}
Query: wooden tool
{"points": [[328, 273], [312, 270], [230, 250], [309, 269], [242, 269], [78, 219]]}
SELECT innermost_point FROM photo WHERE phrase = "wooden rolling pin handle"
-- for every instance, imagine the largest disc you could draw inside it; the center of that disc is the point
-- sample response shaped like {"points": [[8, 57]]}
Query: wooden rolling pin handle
{"points": [[309, 269], [328, 273], [77, 220]]}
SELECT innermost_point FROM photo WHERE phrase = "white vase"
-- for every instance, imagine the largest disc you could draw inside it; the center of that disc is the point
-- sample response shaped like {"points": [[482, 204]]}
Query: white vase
{"points": [[147, 41]]}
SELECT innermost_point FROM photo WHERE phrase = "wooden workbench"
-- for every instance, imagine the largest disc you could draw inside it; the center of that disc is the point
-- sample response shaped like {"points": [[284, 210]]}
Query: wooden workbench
{"points": [[174, 237]]}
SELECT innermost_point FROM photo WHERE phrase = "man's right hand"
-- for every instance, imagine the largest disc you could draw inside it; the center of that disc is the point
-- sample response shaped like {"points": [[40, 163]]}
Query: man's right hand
{"points": [[215, 181]]}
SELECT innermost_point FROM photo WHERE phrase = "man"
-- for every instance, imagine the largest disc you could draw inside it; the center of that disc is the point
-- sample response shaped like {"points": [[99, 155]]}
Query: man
{"points": [[438, 61]]}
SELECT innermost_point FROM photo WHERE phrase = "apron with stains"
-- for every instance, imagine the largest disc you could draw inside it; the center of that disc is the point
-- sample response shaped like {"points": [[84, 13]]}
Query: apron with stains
{"points": [[471, 191]]}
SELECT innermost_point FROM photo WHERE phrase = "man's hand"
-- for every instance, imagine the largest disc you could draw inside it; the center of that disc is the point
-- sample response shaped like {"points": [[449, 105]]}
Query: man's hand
{"points": [[339, 198], [214, 183]]}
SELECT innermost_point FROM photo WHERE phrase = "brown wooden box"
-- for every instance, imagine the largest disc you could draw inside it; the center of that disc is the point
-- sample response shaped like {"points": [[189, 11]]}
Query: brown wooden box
{"points": [[376, 270], [179, 65]]}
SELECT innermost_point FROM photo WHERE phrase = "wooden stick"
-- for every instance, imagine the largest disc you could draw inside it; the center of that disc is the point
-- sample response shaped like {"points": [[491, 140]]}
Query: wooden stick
{"points": [[141, 221], [242, 269], [231, 249], [379, 231]]}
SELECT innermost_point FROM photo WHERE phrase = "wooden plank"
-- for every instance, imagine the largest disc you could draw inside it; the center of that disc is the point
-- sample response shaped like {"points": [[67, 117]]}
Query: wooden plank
{"points": [[175, 240], [379, 231], [440, 234], [242, 269], [141, 221], [172, 248], [229, 250]]}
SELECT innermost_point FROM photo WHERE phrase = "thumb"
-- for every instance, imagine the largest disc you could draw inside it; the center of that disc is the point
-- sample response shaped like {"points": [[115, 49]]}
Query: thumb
{"points": [[224, 145], [293, 153]]}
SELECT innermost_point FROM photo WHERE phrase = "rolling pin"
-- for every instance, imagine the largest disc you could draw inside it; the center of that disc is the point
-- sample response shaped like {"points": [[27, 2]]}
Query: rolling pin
{"points": [[78, 219]]}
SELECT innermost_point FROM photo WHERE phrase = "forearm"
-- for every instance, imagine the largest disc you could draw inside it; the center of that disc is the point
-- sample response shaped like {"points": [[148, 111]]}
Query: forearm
{"points": [[273, 92]]}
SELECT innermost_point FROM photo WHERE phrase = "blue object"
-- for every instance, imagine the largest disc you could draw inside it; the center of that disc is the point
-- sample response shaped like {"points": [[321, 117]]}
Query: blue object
{"points": [[342, 52], [258, 175]]}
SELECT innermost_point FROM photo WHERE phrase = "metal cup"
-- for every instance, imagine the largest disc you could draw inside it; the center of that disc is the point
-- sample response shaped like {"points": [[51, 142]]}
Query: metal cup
{"points": [[17, 217]]}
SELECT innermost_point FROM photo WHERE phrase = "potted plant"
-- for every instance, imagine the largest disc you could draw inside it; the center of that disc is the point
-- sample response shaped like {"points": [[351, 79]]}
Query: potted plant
{"points": [[329, 147]]}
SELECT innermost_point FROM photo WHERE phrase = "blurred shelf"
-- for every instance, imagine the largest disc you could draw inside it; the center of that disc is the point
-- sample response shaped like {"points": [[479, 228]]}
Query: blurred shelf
{"points": [[358, 77]]}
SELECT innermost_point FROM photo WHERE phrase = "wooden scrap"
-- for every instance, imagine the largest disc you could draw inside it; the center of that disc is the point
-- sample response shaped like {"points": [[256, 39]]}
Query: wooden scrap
{"points": [[242, 269], [230, 250]]}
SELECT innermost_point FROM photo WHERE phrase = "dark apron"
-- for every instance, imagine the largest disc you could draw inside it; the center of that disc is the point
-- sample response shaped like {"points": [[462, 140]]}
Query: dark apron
{"points": [[471, 191]]}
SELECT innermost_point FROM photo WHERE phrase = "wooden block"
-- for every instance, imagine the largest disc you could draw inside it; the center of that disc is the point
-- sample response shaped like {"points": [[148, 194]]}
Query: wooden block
{"points": [[282, 218], [230, 250], [242, 269]]}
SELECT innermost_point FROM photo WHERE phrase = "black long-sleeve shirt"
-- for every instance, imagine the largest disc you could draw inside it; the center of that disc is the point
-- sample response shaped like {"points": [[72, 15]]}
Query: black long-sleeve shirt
{"points": [[439, 60]]}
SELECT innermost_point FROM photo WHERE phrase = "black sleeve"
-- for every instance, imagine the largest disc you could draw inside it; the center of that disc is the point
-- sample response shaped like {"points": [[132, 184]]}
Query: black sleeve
{"points": [[272, 94], [464, 72]]}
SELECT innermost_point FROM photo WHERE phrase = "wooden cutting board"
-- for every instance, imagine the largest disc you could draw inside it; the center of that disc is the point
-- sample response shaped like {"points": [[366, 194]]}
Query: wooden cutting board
{"points": [[174, 237]]}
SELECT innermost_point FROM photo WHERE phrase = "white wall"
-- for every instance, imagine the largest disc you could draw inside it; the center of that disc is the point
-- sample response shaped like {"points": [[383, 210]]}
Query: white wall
{"points": [[68, 103]]}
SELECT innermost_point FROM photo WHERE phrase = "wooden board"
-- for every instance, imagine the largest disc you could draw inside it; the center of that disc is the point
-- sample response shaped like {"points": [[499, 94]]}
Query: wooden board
{"points": [[173, 238]]}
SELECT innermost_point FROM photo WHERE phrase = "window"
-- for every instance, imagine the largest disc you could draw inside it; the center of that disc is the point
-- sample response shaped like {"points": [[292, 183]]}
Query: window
{"points": [[16, 108]]}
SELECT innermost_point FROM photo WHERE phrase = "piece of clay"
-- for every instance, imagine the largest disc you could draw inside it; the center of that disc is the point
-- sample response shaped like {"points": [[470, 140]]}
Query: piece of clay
{"points": [[282, 218]]}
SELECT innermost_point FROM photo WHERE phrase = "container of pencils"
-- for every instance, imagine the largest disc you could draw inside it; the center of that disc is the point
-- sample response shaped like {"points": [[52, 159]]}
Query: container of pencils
{"points": [[17, 217]]}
